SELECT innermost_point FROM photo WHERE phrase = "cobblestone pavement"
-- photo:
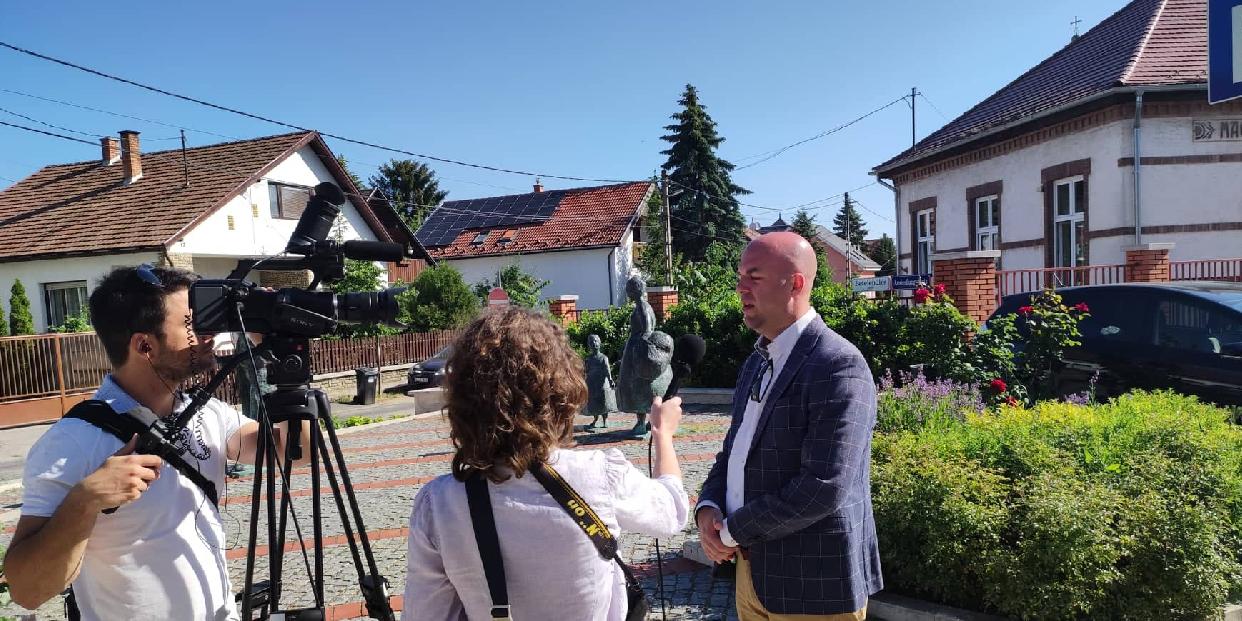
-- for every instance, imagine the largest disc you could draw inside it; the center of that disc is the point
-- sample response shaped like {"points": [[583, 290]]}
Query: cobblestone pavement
{"points": [[389, 462]]}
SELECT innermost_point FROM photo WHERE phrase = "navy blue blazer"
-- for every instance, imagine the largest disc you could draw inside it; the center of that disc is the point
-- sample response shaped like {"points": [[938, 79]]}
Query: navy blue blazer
{"points": [[806, 521]]}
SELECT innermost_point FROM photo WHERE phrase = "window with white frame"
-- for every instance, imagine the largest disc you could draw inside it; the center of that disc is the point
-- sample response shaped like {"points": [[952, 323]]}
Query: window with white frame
{"points": [[63, 300], [1069, 222], [987, 223], [924, 241]]}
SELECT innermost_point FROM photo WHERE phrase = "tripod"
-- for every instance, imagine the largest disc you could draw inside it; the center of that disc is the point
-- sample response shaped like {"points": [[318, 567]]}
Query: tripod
{"points": [[295, 404]]}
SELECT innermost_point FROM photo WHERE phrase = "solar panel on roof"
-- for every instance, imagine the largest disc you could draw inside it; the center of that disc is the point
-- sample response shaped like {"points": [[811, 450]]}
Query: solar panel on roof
{"points": [[446, 223]]}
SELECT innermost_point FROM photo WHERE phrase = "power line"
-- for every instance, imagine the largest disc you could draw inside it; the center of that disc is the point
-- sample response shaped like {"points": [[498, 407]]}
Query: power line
{"points": [[45, 124], [39, 131], [297, 127], [778, 152], [929, 102], [116, 114]]}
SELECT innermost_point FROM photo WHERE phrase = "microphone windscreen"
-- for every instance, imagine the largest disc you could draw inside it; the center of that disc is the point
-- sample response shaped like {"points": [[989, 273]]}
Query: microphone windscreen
{"points": [[690, 349], [328, 191]]}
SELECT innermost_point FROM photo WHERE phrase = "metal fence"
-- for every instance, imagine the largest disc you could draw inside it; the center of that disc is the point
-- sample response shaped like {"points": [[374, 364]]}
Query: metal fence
{"points": [[1229, 270], [1010, 282], [51, 365]]}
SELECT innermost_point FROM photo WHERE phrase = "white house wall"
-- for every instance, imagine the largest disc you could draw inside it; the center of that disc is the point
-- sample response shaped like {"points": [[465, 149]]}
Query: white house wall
{"points": [[255, 232], [34, 274], [1174, 194], [589, 274]]}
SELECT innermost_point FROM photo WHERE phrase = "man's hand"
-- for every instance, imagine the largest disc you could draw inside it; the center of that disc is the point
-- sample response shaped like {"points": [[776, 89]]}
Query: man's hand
{"points": [[121, 479], [710, 521]]}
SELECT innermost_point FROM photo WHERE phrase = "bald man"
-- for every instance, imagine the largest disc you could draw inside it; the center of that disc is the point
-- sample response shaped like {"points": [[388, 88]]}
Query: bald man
{"points": [[790, 493]]}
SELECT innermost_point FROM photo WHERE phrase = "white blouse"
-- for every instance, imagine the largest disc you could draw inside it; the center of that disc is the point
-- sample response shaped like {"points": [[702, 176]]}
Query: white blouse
{"points": [[552, 569]]}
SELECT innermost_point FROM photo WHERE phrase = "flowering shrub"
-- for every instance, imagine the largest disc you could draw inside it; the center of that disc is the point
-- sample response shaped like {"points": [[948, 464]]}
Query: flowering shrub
{"points": [[1051, 327], [910, 401]]}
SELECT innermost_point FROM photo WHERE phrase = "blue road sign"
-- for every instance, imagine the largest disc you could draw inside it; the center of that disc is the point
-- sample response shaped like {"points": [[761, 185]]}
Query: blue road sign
{"points": [[910, 282], [1224, 50]]}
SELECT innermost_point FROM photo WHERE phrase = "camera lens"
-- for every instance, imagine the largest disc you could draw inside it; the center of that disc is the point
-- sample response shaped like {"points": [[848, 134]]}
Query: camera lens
{"points": [[371, 307]]}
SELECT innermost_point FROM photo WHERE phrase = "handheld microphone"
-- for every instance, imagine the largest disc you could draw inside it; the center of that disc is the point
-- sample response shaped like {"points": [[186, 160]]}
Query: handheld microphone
{"points": [[687, 353]]}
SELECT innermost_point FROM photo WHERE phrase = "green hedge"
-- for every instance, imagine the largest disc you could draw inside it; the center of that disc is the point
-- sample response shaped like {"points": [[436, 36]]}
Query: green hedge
{"points": [[1126, 510]]}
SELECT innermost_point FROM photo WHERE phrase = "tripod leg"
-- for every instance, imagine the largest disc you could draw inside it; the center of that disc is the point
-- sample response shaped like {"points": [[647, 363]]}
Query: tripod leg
{"points": [[316, 439], [374, 586], [275, 552], [256, 489]]}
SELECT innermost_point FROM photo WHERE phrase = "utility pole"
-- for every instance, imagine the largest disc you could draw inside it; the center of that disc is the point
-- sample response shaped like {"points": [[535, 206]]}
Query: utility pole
{"points": [[914, 92], [668, 228], [849, 238]]}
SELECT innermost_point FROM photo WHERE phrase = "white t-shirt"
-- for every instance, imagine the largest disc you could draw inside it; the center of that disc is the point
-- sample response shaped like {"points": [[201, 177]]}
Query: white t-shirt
{"points": [[161, 556]]}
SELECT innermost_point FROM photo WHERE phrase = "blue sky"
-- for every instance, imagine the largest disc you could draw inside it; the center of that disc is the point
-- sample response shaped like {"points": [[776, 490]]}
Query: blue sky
{"points": [[578, 89]]}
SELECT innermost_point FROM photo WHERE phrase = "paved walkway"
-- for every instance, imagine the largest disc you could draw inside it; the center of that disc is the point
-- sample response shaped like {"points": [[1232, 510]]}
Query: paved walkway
{"points": [[388, 463]]}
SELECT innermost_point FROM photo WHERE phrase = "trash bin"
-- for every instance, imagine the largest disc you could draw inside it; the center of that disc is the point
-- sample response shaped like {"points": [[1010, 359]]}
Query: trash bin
{"points": [[368, 385]]}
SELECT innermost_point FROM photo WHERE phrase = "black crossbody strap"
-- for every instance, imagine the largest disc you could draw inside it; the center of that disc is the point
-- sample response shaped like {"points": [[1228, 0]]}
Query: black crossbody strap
{"points": [[123, 427], [485, 536]]}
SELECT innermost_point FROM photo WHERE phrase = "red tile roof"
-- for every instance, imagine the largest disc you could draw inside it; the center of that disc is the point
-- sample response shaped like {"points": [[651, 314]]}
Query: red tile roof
{"points": [[85, 208], [584, 218], [1146, 43]]}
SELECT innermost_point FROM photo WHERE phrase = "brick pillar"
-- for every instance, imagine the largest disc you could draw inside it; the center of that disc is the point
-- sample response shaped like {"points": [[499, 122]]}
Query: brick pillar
{"points": [[969, 278], [1148, 263], [662, 300], [177, 260], [565, 308]]}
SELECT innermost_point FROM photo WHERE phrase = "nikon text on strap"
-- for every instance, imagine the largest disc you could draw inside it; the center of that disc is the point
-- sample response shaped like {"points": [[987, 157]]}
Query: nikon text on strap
{"points": [[123, 427]]}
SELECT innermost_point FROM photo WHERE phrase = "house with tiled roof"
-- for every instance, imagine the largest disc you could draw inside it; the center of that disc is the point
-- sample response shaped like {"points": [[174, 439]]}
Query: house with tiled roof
{"points": [[582, 240], [844, 260], [202, 209], [1107, 146]]}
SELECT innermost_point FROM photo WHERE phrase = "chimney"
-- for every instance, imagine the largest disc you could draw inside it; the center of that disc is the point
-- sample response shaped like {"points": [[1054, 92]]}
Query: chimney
{"points": [[538, 186], [111, 150], [131, 157]]}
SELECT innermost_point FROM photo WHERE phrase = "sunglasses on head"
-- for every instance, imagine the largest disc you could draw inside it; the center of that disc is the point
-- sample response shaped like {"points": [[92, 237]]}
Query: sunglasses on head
{"points": [[146, 273]]}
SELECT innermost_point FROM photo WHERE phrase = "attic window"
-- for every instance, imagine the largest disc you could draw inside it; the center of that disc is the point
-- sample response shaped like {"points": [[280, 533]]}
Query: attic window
{"points": [[508, 236], [480, 238], [287, 201]]}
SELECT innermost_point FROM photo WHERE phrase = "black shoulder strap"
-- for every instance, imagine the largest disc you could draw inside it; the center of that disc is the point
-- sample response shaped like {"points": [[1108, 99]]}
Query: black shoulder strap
{"points": [[583, 515], [489, 543], [123, 427]]}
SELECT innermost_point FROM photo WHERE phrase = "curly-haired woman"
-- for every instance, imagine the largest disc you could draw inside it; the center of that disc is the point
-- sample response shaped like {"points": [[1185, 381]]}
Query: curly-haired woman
{"points": [[514, 386]]}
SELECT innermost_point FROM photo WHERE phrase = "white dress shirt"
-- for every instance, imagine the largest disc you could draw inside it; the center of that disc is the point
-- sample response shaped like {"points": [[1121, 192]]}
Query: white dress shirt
{"points": [[777, 351], [552, 570]]}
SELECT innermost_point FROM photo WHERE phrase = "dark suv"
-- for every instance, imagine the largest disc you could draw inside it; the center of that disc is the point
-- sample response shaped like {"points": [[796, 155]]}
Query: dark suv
{"points": [[1182, 335]]}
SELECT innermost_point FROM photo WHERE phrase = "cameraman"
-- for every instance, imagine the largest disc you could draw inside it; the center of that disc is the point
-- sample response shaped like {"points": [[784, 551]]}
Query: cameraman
{"points": [[161, 554]]}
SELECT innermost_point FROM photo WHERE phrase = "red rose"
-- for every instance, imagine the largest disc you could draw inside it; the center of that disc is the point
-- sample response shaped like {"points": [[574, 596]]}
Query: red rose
{"points": [[1026, 310], [999, 385], [921, 294], [1082, 307], [1012, 402], [939, 289]]}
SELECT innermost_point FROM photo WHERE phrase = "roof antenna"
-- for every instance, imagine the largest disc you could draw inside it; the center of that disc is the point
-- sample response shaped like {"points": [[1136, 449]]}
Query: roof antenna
{"points": [[1075, 24], [185, 163]]}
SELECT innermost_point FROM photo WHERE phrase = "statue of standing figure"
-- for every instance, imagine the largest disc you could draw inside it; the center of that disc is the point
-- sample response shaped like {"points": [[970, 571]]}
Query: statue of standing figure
{"points": [[601, 400], [645, 363]]}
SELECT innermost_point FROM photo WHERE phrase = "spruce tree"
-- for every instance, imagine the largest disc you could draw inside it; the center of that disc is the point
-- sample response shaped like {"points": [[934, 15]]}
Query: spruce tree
{"points": [[703, 196], [413, 189], [4, 325], [884, 252], [804, 225], [848, 224], [20, 320]]}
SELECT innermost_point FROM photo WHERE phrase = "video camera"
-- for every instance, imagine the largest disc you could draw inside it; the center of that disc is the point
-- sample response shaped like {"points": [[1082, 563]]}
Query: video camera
{"points": [[234, 304]]}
